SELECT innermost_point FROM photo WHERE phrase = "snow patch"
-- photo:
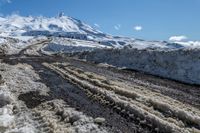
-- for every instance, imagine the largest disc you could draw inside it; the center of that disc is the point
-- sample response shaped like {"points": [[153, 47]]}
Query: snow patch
{"points": [[6, 117], [2, 40], [6, 113]]}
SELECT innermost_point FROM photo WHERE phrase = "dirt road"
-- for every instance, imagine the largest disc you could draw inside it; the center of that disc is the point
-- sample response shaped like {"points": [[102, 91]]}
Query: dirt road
{"points": [[62, 94]]}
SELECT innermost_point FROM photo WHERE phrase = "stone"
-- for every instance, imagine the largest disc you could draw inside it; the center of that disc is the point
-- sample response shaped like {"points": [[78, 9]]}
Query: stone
{"points": [[99, 120]]}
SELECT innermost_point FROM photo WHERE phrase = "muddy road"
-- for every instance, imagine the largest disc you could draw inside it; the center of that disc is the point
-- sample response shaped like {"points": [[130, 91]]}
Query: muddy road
{"points": [[56, 94]]}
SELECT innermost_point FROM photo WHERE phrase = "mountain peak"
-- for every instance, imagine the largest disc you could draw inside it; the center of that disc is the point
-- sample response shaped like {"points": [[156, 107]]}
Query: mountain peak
{"points": [[18, 25], [61, 14]]}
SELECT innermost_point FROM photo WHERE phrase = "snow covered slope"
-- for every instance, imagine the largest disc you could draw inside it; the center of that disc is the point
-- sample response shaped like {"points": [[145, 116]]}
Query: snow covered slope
{"points": [[16, 25], [67, 27], [26, 29], [174, 60]]}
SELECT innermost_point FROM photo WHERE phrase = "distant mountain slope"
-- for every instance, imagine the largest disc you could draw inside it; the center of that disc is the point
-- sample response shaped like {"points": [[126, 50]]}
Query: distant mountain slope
{"points": [[17, 25], [68, 27]]}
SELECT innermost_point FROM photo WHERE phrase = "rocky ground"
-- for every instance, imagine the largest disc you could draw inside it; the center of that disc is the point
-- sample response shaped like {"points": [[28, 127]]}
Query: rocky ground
{"points": [[56, 94]]}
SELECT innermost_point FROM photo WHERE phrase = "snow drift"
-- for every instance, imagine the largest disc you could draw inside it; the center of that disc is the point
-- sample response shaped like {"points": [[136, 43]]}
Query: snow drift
{"points": [[179, 64]]}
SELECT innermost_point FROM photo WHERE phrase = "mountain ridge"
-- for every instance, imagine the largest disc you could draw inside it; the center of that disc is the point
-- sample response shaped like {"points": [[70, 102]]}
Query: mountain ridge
{"points": [[69, 27], [17, 25]]}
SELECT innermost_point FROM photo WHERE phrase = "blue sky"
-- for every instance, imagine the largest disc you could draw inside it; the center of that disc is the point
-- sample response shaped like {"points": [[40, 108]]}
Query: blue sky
{"points": [[146, 19]]}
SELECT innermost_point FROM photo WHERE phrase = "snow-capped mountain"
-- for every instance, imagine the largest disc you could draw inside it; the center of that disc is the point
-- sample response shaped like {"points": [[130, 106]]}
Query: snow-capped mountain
{"points": [[16, 25], [67, 27]]}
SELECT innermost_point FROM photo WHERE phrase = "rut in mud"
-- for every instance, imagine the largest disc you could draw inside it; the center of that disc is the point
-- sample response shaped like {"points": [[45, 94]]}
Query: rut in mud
{"points": [[150, 108], [79, 99]]}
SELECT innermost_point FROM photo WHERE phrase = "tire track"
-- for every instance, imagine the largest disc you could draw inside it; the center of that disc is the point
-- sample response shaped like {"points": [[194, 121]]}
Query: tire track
{"points": [[79, 99], [167, 110], [182, 92], [166, 117]]}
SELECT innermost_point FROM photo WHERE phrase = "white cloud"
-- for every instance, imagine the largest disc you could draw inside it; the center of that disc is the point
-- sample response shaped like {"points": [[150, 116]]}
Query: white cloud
{"points": [[117, 27], [178, 38], [138, 28], [97, 25]]}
